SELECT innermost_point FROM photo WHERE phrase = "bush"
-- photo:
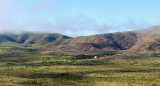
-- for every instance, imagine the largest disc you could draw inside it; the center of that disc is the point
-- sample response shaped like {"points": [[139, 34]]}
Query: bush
{"points": [[82, 56]]}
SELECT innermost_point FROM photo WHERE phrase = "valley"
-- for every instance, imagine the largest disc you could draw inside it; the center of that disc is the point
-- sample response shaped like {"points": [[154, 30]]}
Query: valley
{"points": [[32, 67], [124, 59]]}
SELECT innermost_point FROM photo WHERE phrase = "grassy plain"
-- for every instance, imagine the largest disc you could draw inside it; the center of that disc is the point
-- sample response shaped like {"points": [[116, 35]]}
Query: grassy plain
{"points": [[24, 66]]}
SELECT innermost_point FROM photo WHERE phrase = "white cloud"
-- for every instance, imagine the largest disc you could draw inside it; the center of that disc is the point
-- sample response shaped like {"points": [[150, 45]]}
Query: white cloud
{"points": [[17, 16]]}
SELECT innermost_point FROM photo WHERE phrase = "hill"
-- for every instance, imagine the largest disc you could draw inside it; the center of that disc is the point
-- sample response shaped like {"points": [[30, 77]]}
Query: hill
{"points": [[100, 42], [148, 41], [31, 38], [140, 41]]}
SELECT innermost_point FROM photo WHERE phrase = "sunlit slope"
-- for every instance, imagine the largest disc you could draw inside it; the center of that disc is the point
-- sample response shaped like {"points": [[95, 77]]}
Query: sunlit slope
{"points": [[148, 41], [100, 42]]}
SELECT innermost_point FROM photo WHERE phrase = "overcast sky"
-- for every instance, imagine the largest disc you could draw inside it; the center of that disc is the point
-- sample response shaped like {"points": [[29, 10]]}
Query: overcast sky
{"points": [[78, 17]]}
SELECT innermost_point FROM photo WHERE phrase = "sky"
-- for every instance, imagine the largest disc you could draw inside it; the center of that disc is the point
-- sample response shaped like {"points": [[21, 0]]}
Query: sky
{"points": [[78, 17]]}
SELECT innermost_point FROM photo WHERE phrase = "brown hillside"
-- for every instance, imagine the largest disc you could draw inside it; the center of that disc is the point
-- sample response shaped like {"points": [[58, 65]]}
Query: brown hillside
{"points": [[105, 42], [141, 41], [148, 41]]}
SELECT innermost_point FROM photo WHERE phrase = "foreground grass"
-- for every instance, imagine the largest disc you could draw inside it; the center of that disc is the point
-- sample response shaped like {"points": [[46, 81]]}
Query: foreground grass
{"points": [[32, 68], [95, 75]]}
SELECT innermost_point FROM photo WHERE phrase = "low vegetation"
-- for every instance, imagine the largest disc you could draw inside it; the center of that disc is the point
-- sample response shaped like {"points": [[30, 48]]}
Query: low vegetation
{"points": [[26, 66]]}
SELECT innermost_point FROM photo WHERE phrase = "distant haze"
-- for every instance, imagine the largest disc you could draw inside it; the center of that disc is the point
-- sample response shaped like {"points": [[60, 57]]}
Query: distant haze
{"points": [[77, 17]]}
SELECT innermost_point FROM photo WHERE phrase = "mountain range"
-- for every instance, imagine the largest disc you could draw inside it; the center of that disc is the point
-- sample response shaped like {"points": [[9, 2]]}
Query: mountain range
{"points": [[140, 41]]}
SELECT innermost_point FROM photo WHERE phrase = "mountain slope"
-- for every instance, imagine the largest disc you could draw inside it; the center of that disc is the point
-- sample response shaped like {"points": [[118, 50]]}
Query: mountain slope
{"points": [[141, 41], [148, 41], [105, 42], [39, 38], [5, 38], [32, 38]]}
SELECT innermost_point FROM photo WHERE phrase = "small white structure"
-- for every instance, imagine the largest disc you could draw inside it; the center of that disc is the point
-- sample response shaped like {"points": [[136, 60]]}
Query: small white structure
{"points": [[95, 57]]}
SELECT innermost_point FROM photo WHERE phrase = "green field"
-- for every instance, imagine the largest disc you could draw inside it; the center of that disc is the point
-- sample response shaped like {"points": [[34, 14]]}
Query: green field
{"points": [[35, 67]]}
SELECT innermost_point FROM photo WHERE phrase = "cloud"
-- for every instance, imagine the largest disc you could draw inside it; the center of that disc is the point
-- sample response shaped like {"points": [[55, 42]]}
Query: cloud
{"points": [[106, 28], [20, 15], [15, 15], [76, 26], [128, 25], [131, 24], [80, 25], [25, 9]]}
